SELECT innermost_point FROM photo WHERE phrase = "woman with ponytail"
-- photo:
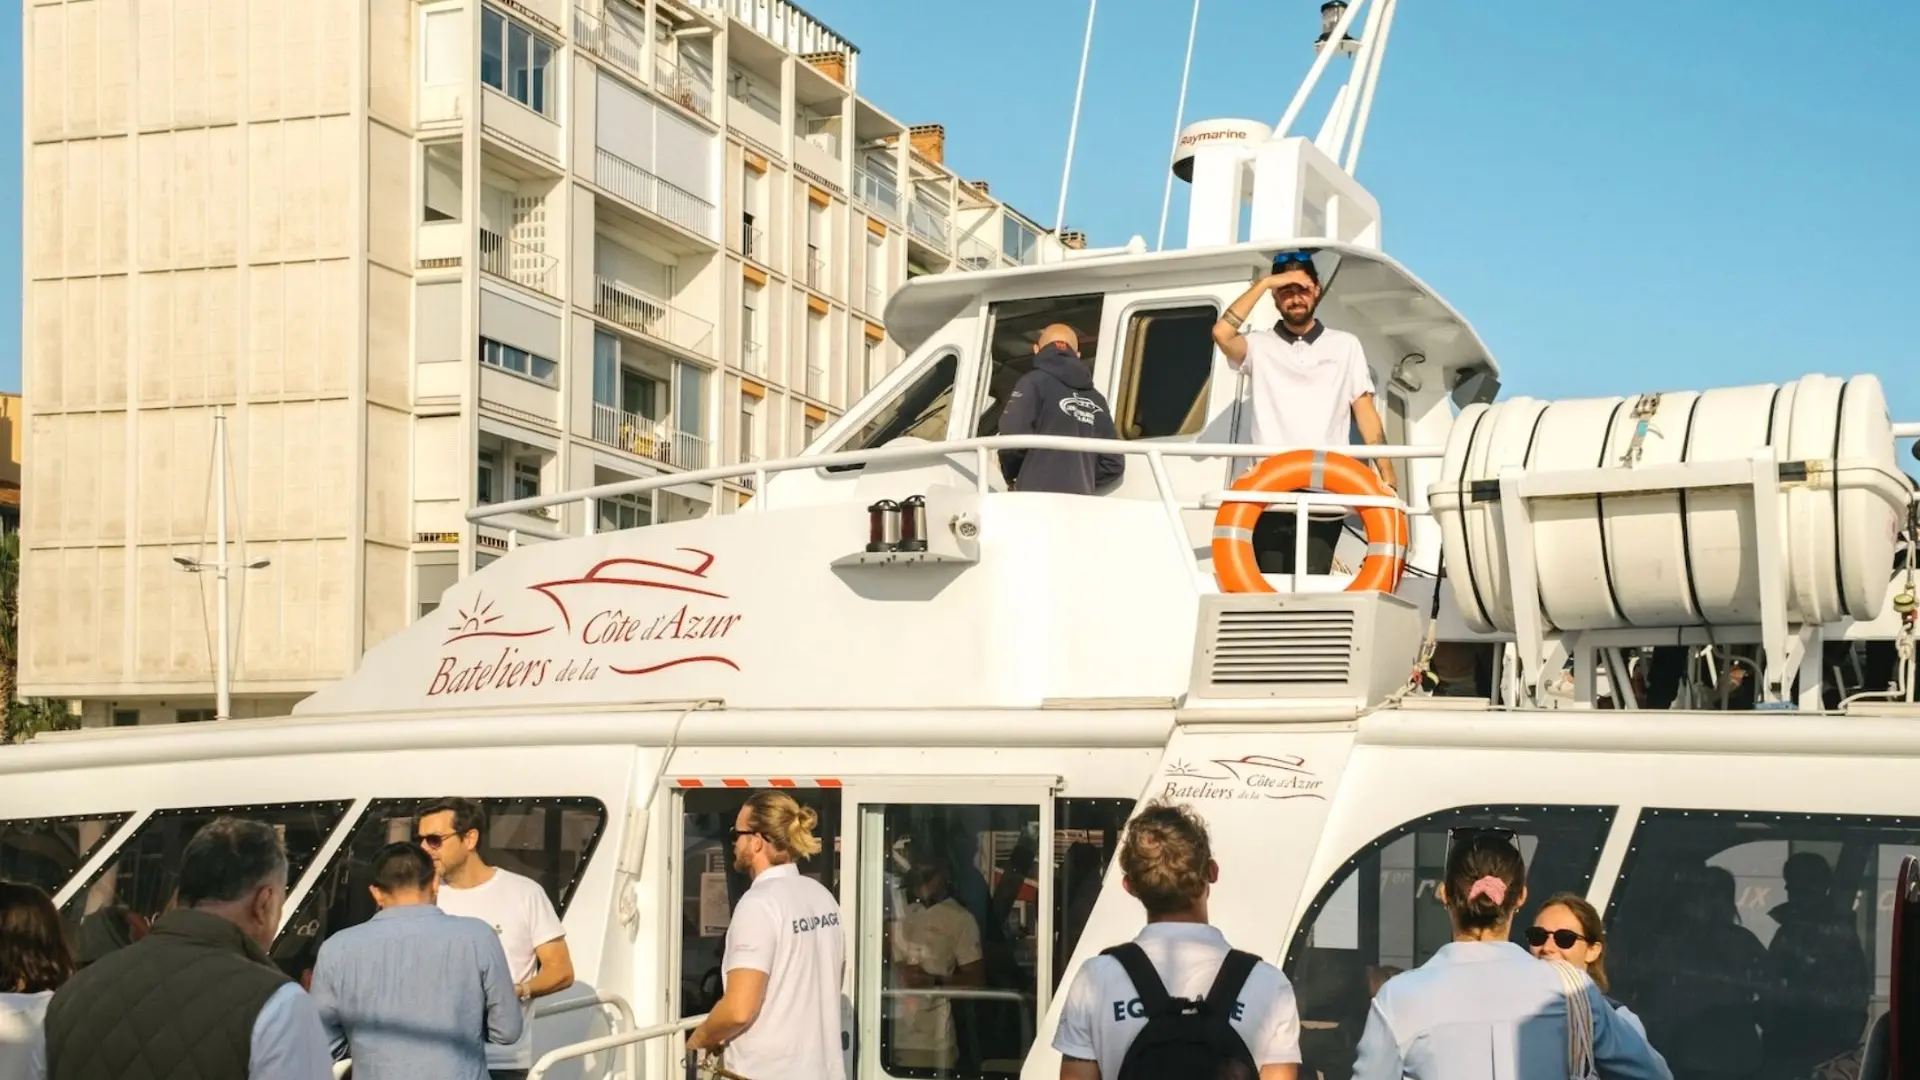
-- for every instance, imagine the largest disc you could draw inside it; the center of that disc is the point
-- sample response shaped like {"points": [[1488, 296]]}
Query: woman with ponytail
{"points": [[1483, 1008], [779, 1017]]}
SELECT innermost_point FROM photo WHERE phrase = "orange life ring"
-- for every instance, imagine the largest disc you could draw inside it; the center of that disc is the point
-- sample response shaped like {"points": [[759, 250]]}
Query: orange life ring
{"points": [[1234, 563]]}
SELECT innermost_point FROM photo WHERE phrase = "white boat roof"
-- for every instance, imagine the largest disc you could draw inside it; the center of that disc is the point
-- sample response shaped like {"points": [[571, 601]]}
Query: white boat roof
{"points": [[1363, 280]]}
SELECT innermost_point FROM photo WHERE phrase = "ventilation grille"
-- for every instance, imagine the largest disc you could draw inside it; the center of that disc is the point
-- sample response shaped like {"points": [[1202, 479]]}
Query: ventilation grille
{"points": [[1288, 648]]}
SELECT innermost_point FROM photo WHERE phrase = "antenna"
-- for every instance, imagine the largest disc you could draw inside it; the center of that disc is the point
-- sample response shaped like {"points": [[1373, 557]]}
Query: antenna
{"points": [[1073, 128]]}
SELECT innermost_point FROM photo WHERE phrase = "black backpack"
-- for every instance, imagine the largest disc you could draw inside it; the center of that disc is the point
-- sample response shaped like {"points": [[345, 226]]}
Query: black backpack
{"points": [[1186, 1040]]}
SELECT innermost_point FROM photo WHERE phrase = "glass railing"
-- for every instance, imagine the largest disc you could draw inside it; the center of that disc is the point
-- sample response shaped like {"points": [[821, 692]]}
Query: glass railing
{"points": [[877, 193]]}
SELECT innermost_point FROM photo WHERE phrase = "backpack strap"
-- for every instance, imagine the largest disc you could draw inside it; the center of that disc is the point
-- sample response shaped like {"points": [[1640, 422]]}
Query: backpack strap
{"points": [[1228, 984], [1146, 981]]}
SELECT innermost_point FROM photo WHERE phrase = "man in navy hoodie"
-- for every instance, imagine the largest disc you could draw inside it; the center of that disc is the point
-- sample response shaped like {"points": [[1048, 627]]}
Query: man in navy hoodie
{"points": [[1057, 398]]}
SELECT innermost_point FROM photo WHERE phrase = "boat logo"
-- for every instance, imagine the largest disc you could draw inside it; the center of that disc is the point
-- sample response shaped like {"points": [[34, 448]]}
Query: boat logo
{"points": [[1256, 776], [1081, 409], [624, 616]]}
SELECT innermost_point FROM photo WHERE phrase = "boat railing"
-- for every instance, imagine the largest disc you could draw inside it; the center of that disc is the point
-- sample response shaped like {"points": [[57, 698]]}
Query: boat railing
{"points": [[951, 993], [624, 1025], [619, 1040], [981, 449]]}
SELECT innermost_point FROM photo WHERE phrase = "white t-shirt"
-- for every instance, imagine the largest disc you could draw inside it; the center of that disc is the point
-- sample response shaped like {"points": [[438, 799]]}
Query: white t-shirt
{"points": [[23, 1035], [1303, 388], [788, 926], [940, 939], [518, 910], [1102, 1014]]}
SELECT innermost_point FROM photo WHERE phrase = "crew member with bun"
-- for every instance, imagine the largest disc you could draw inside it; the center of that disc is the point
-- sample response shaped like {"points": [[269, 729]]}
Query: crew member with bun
{"points": [[779, 1018], [1483, 1008]]}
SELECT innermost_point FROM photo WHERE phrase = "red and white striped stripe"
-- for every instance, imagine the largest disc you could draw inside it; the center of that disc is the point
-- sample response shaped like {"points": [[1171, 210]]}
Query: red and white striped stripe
{"points": [[692, 782]]}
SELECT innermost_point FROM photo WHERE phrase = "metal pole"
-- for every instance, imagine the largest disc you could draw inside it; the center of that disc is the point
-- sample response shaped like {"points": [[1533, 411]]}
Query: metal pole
{"points": [[1366, 91], [1073, 128], [1179, 114], [223, 703], [1331, 46], [1349, 101]]}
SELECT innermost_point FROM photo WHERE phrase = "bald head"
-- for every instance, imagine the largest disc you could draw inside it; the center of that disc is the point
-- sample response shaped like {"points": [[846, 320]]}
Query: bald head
{"points": [[1058, 334]]}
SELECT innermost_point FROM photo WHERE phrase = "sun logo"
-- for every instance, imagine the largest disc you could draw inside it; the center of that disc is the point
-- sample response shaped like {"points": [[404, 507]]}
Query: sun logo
{"points": [[472, 622]]}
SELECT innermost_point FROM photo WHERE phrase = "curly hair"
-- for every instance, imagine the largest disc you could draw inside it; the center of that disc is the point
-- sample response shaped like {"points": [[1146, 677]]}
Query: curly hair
{"points": [[1165, 858]]}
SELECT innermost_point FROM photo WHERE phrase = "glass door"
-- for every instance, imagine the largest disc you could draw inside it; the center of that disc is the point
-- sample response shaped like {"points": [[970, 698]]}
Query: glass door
{"points": [[953, 895]]}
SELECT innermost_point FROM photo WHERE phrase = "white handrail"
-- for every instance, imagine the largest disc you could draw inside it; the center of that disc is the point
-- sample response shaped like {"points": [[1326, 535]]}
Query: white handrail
{"points": [[614, 1001], [962, 993], [610, 1042]]}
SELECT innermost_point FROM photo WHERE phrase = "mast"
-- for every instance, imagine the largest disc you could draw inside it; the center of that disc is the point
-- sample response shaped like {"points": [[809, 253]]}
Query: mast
{"points": [[222, 677]]}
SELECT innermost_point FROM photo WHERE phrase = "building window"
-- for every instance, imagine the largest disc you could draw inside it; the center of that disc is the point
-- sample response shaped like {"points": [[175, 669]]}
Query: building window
{"points": [[749, 437], [526, 479], [1169, 365], [520, 362], [126, 718], [1379, 916], [809, 431], [1019, 240], [49, 851], [869, 363], [193, 716], [516, 61], [442, 35], [549, 839], [440, 182], [625, 512], [487, 477], [1781, 924], [433, 575]]}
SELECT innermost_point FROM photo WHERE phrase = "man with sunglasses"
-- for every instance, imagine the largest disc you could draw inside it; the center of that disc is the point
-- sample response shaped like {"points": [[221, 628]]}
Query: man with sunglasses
{"points": [[1310, 387], [515, 906]]}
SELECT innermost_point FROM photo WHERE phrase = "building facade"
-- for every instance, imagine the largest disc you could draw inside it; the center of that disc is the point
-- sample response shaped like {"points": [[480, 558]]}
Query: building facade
{"points": [[425, 255]]}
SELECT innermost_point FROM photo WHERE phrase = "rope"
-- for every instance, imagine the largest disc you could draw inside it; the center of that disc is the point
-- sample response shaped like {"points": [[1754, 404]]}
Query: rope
{"points": [[1579, 1022], [1073, 129], [1179, 114]]}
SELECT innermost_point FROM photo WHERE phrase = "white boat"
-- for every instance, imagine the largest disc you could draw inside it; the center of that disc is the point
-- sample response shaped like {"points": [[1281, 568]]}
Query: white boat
{"points": [[1012, 691]]}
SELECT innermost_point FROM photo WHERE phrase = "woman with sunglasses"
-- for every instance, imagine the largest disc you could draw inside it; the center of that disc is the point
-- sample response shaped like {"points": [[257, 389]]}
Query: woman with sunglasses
{"points": [[1483, 1008], [1568, 928]]}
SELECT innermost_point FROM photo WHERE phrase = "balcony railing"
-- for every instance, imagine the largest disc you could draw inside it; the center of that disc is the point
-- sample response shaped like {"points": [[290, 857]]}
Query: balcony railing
{"points": [[876, 300], [518, 263], [692, 92], [929, 224], [652, 194], [753, 243], [747, 457], [651, 317], [877, 193], [593, 35], [752, 358], [655, 439], [974, 253], [816, 383], [816, 268]]}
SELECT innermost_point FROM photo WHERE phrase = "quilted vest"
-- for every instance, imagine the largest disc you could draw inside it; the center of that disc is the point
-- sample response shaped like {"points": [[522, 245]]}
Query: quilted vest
{"points": [[177, 1005]]}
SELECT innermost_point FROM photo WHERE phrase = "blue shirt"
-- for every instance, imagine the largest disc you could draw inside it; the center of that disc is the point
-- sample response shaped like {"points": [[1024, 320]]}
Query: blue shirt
{"points": [[1487, 1010], [416, 994], [288, 1041]]}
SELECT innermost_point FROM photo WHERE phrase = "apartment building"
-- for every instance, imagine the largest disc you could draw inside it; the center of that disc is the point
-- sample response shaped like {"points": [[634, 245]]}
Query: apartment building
{"points": [[425, 254]]}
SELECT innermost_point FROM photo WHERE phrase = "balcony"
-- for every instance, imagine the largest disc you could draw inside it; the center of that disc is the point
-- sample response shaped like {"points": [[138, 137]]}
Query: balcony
{"points": [[656, 196], [876, 193], [593, 35], [815, 269], [927, 224], [753, 359], [525, 266], [976, 254], [753, 243], [651, 317], [816, 383], [683, 86], [747, 457], [655, 439]]}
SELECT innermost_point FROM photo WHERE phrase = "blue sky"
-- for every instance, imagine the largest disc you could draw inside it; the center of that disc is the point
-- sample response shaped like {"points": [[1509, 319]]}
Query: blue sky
{"points": [[1622, 197]]}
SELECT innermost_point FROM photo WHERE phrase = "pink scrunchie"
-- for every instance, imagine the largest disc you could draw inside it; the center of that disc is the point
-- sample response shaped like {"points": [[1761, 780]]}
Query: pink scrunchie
{"points": [[1491, 887]]}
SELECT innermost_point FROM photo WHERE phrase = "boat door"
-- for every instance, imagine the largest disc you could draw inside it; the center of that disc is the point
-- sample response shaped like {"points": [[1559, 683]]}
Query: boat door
{"points": [[952, 898]]}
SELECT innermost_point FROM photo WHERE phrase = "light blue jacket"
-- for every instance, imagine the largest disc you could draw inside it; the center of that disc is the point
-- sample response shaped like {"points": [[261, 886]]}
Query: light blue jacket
{"points": [[1490, 1011]]}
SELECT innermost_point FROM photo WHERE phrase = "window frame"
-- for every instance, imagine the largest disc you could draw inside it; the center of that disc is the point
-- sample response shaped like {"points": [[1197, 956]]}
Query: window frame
{"points": [[1128, 367], [545, 87], [877, 405], [498, 354], [985, 364], [115, 822]]}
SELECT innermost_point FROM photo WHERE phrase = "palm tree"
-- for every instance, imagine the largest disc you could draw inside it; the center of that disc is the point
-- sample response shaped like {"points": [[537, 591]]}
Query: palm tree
{"points": [[20, 720]]}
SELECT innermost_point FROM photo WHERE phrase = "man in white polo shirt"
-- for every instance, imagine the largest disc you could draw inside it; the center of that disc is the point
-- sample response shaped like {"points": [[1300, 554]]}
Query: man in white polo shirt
{"points": [[779, 1017], [1167, 864], [1310, 387]]}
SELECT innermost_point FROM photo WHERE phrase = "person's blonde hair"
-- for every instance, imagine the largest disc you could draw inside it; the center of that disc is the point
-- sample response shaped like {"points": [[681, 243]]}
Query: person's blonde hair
{"points": [[784, 824], [1165, 858]]}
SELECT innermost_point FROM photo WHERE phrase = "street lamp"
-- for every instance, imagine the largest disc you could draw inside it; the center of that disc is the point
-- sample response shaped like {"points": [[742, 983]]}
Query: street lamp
{"points": [[222, 679]]}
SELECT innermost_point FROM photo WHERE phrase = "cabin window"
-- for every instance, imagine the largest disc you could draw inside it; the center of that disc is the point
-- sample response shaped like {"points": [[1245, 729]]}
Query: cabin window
{"points": [[1016, 326], [548, 840], [710, 885], [48, 851], [1379, 916], [920, 410], [1169, 365], [959, 903], [1762, 940], [145, 871], [1086, 834]]}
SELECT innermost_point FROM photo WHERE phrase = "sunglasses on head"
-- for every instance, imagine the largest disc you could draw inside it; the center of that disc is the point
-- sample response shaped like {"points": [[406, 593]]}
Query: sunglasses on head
{"points": [[1565, 939], [1287, 259], [1469, 833]]}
